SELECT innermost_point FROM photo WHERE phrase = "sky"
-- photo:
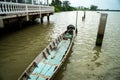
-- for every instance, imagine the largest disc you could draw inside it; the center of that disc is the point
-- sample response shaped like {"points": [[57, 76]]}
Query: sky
{"points": [[102, 4]]}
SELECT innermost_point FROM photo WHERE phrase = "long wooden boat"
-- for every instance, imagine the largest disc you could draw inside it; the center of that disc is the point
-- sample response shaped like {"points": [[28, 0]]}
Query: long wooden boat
{"points": [[48, 62]]}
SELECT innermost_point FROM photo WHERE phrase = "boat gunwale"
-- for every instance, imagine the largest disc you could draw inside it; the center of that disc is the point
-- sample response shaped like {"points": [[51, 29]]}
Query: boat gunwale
{"points": [[64, 58]]}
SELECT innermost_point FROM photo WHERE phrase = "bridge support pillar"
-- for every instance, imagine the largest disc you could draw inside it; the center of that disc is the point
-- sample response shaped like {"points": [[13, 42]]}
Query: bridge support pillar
{"points": [[48, 18], [1, 22], [42, 19], [20, 24]]}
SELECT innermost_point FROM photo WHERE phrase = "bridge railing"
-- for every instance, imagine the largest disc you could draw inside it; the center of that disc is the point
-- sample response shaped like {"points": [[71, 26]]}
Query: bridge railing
{"points": [[15, 8]]}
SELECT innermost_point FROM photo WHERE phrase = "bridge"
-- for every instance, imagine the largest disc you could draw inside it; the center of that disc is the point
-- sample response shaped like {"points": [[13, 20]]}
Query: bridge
{"points": [[20, 12]]}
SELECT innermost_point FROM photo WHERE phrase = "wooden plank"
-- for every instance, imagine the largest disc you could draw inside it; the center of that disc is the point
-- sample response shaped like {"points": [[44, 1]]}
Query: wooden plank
{"points": [[37, 70], [51, 71], [45, 69]]}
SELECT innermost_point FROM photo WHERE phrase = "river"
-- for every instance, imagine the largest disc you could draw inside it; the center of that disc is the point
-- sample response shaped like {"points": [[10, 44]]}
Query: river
{"points": [[85, 62]]}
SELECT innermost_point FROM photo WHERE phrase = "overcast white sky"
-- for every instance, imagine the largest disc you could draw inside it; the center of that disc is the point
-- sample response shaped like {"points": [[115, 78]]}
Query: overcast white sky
{"points": [[102, 4]]}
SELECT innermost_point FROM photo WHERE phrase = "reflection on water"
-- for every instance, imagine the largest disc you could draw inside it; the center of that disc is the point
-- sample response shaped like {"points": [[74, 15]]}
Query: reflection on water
{"points": [[97, 52], [85, 62], [18, 49], [97, 56], [113, 74], [93, 63]]}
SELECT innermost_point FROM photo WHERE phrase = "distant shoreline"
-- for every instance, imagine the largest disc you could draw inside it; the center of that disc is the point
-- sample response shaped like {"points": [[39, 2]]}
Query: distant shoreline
{"points": [[108, 10], [102, 10]]}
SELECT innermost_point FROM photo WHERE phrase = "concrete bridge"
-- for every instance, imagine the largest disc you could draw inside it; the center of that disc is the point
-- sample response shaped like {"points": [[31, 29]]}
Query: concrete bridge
{"points": [[20, 12]]}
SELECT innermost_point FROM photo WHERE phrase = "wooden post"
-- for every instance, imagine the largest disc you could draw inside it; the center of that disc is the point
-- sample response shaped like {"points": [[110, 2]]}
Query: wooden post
{"points": [[76, 21], [84, 14], [101, 29], [47, 3], [83, 18]]}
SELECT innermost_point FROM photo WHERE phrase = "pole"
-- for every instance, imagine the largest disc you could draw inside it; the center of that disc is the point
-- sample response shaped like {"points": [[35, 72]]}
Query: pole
{"points": [[83, 18], [76, 20]]}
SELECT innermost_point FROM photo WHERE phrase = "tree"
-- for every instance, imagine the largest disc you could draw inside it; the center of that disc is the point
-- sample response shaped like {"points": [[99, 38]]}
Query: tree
{"points": [[57, 5], [53, 3], [66, 5], [93, 7]]}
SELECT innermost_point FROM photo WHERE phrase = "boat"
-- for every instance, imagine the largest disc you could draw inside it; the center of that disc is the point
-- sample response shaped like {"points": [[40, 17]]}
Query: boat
{"points": [[46, 65]]}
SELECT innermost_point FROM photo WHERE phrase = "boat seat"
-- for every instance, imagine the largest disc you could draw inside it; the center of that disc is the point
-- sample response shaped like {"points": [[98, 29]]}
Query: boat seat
{"points": [[42, 72], [62, 47], [37, 70]]}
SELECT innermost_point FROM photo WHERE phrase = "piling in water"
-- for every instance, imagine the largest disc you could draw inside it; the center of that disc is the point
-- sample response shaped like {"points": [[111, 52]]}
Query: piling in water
{"points": [[1, 22], [48, 19], [83, 18], [76, 22], [42, 19], [101, 29]]}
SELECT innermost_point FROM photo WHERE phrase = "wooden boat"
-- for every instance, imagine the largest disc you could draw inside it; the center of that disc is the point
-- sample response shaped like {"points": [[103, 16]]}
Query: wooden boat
{"points": [[48, 62]]}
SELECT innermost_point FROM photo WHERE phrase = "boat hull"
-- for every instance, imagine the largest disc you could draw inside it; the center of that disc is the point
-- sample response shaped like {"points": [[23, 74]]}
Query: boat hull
{"points": [[46, 65]]}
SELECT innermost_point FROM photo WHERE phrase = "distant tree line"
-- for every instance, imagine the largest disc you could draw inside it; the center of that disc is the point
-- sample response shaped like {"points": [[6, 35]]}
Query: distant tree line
{"points": [[91, 8], [65, 6], [62, 6]]}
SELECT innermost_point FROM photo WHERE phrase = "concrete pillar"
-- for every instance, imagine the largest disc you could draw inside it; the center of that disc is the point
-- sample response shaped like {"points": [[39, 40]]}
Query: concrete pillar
{"points": [[48, 19], [1, 22], [101, 29], [27, 15], [42, 18]]}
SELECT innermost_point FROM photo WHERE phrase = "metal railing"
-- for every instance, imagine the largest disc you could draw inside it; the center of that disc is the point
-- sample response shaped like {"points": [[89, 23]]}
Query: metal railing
{"points": [[15, 8]]}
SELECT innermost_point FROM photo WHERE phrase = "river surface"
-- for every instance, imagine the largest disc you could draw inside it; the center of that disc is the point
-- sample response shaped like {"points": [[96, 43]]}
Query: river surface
{"points": [[85, 62]]}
